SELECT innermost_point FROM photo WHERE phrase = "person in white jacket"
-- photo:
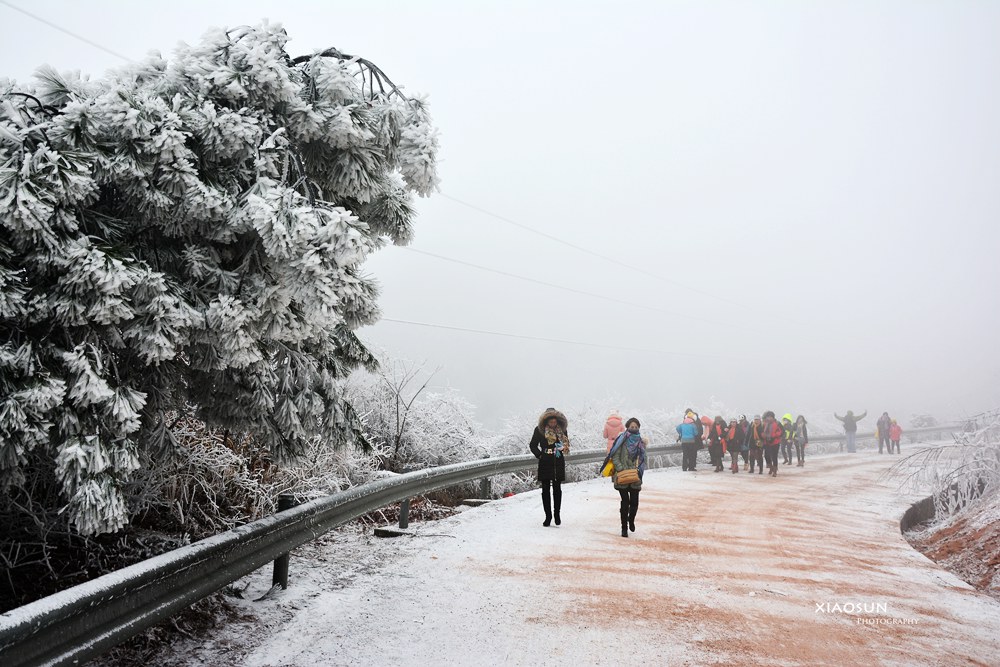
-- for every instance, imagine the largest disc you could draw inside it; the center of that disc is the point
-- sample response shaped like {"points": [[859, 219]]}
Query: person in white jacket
{"points": [[613, 427]]}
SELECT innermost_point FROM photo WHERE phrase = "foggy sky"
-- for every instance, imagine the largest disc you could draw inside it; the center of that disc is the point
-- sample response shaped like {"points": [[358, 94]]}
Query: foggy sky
{"points": [[814, 187]]}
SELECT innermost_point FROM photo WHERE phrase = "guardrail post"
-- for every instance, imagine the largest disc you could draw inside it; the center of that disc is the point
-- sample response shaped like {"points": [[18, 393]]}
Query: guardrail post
{"points": [[404, 513], [286, 501], [485, 488]]}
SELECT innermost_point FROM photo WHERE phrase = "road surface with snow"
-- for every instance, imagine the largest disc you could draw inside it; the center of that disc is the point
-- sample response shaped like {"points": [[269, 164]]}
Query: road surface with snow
{"points": [[808, 568]]}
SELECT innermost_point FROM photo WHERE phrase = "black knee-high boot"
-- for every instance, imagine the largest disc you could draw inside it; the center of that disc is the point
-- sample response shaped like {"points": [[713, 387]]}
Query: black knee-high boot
{"points": [[546, 503], [556, 501], [623, 511], [633, 508]]}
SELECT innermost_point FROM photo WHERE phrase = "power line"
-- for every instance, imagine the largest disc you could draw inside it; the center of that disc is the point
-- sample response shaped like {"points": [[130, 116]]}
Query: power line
{"points": [[622, 302], [587, 251], [65, 31], [551, 237], [553, 340]]}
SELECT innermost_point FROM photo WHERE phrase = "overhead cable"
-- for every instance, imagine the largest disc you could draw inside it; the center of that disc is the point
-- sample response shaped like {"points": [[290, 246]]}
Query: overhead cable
{"points": [[65, 31], [553, 340], [606, 258]]}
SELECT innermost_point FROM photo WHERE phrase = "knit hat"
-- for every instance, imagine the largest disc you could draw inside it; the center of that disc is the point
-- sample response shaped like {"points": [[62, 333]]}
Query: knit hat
{"points": [[756, 416]]}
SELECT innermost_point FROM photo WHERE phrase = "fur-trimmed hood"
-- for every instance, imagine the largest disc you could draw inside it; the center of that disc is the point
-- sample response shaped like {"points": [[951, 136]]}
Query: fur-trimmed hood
{"points": [[548, 414]]}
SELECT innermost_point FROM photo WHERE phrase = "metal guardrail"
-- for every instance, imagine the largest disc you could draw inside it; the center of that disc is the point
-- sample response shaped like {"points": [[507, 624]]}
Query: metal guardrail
{"points": [[84, 621]]}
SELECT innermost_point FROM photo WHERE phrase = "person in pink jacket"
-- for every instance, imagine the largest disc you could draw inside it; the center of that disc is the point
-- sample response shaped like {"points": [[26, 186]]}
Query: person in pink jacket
{"points": [[613, 428], [895, 433]]}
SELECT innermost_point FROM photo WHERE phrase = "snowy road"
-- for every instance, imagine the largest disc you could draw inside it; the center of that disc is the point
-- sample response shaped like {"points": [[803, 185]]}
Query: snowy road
{"points": [[723, 569]]}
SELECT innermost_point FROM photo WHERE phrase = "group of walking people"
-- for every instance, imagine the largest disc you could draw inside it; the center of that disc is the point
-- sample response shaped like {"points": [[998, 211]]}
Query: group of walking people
{"points": [[756, 442]]}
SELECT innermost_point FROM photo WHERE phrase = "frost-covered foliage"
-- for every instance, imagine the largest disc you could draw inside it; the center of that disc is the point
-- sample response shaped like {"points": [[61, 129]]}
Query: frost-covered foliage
{"points": [[923, 420], [216, 480], [190, 232], [408, 427], [960, 474]]}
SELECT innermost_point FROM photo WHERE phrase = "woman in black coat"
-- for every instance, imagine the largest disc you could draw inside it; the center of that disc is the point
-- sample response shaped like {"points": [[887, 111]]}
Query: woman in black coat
{"points": [[550, 443]]}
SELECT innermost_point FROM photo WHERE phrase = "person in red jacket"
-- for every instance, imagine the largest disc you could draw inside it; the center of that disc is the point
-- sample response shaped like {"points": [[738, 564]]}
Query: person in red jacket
{"points": [[613, 427], [774, 433], [895, 433]]}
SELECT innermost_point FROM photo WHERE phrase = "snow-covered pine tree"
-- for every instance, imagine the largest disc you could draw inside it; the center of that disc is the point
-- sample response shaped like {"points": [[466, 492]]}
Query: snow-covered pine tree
{"points": [[189, 233]]}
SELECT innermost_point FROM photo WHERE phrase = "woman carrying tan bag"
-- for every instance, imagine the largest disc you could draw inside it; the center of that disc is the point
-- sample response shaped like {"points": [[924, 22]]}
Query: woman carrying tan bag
{"points": [[628, 460]]}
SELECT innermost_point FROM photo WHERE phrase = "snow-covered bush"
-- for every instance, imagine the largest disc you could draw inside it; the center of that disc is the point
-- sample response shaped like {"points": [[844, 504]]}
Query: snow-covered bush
{"points": [[215, 480], [189, 233], [959, 474], [408, 427]]}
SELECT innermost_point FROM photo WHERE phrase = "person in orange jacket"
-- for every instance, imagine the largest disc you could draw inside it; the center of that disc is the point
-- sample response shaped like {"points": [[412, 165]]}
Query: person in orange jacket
{"points": [[895, 433], [717, 442], [613, 427]]}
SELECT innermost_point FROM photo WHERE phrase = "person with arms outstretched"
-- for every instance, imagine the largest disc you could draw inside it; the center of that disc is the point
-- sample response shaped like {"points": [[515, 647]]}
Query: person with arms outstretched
{"points": [[850, 422]]}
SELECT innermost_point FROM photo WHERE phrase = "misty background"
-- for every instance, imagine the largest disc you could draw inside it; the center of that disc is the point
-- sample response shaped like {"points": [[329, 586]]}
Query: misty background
{"points": [[772, 205]]}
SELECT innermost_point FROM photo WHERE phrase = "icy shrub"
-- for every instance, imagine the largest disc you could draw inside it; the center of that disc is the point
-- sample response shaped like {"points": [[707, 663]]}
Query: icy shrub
{"points": [[960, 475], [190, 233]]}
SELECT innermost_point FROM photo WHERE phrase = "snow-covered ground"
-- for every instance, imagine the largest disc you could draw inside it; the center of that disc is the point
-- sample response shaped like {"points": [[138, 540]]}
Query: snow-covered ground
{"points": [[805, 569]]}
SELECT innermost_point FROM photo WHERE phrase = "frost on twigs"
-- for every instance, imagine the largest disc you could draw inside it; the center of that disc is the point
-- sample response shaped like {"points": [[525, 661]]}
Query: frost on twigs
{"points": [[191, 232], [960, 474]]}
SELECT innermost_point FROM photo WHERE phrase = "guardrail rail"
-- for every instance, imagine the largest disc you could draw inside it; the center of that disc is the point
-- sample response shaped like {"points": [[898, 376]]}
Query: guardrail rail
{"points": [[84, 621]]}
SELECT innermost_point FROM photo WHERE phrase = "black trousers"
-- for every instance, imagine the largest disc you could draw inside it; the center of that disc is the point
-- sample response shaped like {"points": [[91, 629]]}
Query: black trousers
{"points": [[756, 457], [547, 500], [715, 453], [689, 455], [629, 506], [883, 438], [771, 455], [800, 452]]}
